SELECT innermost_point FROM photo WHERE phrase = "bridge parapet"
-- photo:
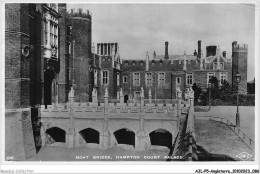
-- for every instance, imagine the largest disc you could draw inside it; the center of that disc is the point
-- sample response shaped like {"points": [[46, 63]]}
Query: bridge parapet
{"points": [[111, 109], [185, 144]]}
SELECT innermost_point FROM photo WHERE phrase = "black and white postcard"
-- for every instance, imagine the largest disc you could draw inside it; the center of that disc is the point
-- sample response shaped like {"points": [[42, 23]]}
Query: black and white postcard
{"points": [[116, 86]]}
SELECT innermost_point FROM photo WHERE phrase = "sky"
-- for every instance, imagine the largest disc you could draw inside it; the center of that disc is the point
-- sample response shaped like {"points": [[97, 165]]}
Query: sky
{"points": [[139, 28]]}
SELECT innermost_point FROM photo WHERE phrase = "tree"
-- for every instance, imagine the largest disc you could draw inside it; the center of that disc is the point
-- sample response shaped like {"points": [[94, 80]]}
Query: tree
{"points": [[226, 91], [214, 88], [197, 92]]}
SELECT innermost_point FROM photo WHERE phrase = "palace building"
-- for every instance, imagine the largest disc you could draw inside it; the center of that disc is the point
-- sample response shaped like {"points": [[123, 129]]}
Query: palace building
{"points": [[161, 75]]}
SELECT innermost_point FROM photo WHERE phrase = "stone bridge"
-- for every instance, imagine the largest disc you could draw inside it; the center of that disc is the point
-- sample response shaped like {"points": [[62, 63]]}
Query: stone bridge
{"points": [[105, 126]]}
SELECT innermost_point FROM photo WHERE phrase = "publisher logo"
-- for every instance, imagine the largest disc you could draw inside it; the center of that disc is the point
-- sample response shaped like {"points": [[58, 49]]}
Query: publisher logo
{"points": [[244, 156]]}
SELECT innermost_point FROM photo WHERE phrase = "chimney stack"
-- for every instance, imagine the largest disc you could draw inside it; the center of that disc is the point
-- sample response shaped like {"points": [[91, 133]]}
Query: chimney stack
{"points": [[224, 54], [199, 48], [195, 53], [166, 51], [80, 11], [154, 55], [211, 50]]}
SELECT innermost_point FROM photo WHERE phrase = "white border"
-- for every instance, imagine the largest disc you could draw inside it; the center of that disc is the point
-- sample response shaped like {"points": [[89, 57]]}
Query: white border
{"points": [[130, 167]]}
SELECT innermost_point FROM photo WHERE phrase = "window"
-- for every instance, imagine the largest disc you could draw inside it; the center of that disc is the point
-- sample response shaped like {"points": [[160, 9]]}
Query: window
{"points": [[136, 79], [56, 35], [221, 65], [178, 81], [223, 77], [95, 77], [189, 78], [215, 65], [45, 32], [118, 79], [124, 79], [209, 76], [69, 45], [54, 39], [161, 78], [137, 95], [51, 34], [149, 79], [105, 77], [70, 74]]}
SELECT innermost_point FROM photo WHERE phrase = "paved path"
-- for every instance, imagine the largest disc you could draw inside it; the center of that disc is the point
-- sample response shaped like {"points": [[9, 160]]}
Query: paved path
{"points": [[247, 117]]}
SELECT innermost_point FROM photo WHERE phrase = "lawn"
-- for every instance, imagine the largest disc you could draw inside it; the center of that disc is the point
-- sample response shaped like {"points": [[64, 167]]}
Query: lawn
{"points": [[216, 137]]}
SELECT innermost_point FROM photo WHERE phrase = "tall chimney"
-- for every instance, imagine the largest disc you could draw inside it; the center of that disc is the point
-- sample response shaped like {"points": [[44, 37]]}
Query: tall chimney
{"points": [[166, 51], [199, 48]]}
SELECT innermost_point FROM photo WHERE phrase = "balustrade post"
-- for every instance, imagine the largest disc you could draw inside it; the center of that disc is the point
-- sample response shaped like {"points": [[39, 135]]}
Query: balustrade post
{"points": [[142, 139], [105, 137], [94, 96], [191, 97], [71, 130], [121, 96], [43, 135], [179, 97], [150, 96]]}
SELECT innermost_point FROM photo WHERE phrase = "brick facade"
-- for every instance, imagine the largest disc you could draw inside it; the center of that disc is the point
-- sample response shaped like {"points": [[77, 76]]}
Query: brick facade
{"points": [[19, 135]]}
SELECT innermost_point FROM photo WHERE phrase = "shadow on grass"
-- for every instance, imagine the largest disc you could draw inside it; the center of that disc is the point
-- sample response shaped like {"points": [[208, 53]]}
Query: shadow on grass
{"points": [[204, 155]]}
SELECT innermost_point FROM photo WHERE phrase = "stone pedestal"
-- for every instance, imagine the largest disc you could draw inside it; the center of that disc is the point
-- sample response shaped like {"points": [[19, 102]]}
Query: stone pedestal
{"points": [[76, 139], [150, 96], [19, 141], [43, 135], [70, 138], [105, 139], [142, 101], [142, 142], [121, 99]]}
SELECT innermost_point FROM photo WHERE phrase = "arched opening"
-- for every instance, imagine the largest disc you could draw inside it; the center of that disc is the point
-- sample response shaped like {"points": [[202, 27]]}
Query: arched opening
{"points": [[49, 75], [125, 98], [125, 136], [56, 135], [90, 135], [161, 137]]}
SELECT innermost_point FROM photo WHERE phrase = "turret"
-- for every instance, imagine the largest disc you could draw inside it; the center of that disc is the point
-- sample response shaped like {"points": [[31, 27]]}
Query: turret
{"points": [[239, 65]]}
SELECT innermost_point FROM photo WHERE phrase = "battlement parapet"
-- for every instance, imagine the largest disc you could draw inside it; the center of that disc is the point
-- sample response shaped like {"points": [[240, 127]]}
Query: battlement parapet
{"points": [[80, 13], [240, 47], [157, 62]]}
